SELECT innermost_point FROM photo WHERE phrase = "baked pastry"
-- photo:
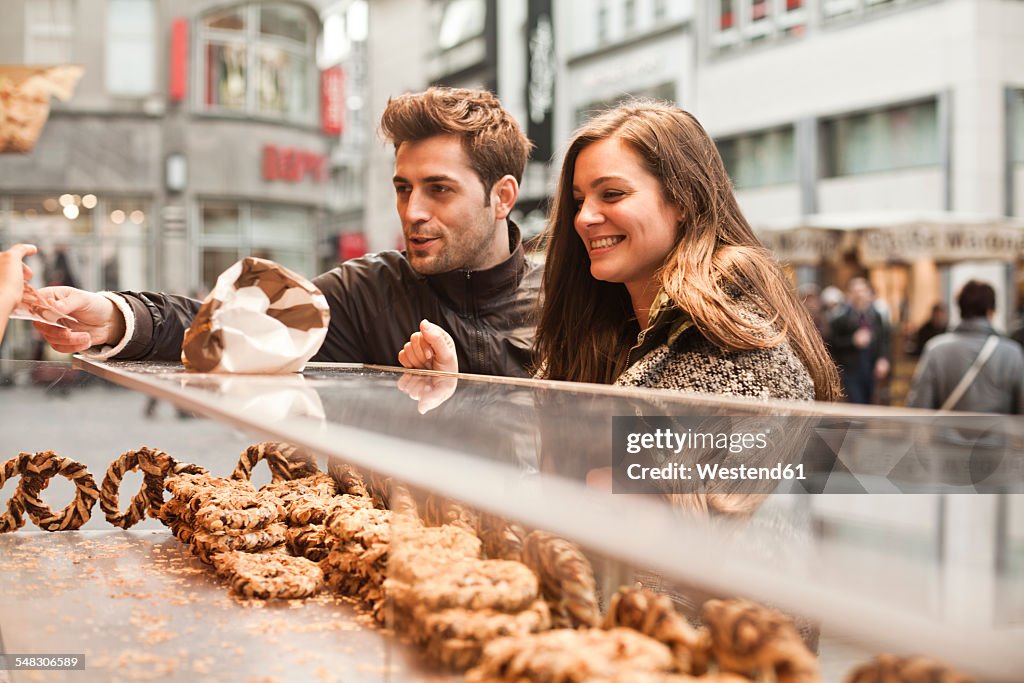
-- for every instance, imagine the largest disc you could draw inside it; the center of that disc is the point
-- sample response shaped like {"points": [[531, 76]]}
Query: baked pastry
{"points": [[270, 575], [566, 579], [655, 616], [36, 473], [748, 638], [888, 668], [572, 656]]}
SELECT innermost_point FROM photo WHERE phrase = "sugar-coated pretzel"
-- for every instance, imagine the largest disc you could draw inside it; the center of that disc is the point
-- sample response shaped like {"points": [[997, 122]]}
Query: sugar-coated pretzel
{"points": [[37, 472], [14, 518], [566, 579], [225, 511], [655, 616], [887, 668], [286, 462], [747, 637], [149, 497]]}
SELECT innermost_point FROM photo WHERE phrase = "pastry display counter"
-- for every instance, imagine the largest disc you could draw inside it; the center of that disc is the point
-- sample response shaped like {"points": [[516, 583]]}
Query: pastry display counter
{"points": [[931, 573]]}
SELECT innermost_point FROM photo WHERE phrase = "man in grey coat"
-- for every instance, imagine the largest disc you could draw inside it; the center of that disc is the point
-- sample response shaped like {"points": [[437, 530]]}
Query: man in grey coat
{"points": [[999, 385]]}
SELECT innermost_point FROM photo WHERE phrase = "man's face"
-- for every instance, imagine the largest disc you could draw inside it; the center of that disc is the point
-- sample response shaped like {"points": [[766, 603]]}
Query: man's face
{"points": [[447, 220]]}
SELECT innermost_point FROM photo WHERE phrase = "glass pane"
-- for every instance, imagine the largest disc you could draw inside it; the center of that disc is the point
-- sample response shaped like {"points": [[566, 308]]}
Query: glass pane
{"points": [[285, 21], [219, 219], [282, 83], [131, 66], [125, 218], [215, 262], [293, 259], [50, 218], [462, 20], [225, 76], [226, 20], [275, 223], [124, 266]]}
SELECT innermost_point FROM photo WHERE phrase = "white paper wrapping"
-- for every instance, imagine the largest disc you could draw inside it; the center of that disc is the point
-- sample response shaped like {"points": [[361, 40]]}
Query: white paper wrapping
{"points": [[260, 318]]}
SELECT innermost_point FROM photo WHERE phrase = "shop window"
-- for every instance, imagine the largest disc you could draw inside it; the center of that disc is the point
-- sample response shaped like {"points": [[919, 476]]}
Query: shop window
{"points": [[889, 139], [735, 23], [259, 59], [49, 31], [229, 231], [660, 9], [460, 21], [760, 159], [602, 22], [131, 41]]}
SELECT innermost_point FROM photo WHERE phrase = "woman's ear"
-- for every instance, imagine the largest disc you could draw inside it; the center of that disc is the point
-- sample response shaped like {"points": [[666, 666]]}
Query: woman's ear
{"points": [[504, 194]]}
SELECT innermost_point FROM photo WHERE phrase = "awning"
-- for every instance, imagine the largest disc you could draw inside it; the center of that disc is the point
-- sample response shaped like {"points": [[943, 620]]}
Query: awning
{"points": [[895, 237]]}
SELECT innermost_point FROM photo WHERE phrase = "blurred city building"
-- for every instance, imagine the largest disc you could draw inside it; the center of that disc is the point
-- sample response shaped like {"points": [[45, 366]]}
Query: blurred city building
{"points": [[201, 132], [883, 137]]}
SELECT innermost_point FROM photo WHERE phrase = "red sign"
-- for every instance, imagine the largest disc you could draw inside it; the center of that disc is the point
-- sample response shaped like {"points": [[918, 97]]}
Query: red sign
{"points": [[179, 60], [292, 165], [332, 100], [351, 245]]}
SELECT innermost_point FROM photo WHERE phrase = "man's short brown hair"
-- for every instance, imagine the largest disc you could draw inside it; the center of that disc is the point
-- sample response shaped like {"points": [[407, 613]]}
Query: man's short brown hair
{"points": [[493, 140]]}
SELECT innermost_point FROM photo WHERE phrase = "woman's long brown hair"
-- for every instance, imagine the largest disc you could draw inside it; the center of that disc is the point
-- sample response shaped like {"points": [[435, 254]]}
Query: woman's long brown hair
{"points": [[585, 332]]}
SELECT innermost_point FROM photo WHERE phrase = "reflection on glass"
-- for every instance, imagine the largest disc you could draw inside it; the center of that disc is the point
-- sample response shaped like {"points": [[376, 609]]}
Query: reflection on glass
{"points": [[293, 259], [225, 76], [282, 81]]}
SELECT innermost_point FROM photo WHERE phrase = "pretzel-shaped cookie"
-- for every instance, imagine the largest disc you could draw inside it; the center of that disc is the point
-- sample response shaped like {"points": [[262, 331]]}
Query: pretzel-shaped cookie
{"points": [[566, 579], [14, 518], [36, 475], [285, 461], [149, 497]]}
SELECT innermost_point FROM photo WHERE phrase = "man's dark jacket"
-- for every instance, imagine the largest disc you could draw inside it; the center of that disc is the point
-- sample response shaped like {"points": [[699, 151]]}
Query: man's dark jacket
{"points": [[377, 301]]}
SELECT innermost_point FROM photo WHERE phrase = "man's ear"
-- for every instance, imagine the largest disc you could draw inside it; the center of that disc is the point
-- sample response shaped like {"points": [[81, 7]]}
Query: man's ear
{"points": [[504, 194]]}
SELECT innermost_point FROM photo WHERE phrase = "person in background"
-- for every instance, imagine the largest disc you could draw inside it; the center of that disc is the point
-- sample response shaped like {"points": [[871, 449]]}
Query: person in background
{"points": [[937, 323], [860, 343], [997, 386], [459, 159], [13, 276], [654, 278]]}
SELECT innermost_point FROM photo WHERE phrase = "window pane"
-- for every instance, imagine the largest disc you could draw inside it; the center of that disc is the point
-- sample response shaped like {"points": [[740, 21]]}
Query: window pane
{"points": [[902, 137], [282, 83], [219, 219], [125, 266], [284, 21], [461, 20], [215, 262], [50, 217], [130, 50], [225, 76], [226, 20], [48, 31], [767, 158], [301, 261], [275, 223]]}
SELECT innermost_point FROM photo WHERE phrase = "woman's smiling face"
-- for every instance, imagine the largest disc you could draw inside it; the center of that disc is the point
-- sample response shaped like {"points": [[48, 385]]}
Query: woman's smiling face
{"points": [[627, 226]]}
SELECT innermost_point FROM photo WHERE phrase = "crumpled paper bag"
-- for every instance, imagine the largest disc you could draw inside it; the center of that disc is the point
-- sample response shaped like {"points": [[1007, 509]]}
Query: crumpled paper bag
{"points": [[260, 318], [25, 101]]}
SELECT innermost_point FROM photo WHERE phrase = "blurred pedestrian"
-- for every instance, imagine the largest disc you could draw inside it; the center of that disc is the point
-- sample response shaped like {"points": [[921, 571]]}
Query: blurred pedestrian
{"points": [[860, 343], [937, 323], [972, 368], [13, 276]]}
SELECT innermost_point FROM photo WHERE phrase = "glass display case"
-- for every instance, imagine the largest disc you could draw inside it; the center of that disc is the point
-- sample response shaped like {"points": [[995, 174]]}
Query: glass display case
{"points": [[885, 530]]}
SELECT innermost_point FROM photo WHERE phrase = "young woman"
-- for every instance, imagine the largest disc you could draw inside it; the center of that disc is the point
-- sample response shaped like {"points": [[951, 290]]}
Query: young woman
{"points": [[654, 278]]}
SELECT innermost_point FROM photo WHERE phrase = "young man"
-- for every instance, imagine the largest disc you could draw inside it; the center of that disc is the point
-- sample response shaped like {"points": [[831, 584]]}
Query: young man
{"points": [[459, 159], [998, 386]]}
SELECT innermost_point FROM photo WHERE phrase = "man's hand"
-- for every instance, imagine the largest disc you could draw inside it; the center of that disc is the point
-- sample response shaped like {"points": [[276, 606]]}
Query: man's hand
{"points": [[99, 320], [429, 349]]}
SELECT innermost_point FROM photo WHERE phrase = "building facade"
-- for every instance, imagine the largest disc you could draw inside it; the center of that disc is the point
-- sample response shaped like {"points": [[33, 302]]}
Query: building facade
{"points": [[200, 133], [875, 114]]}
